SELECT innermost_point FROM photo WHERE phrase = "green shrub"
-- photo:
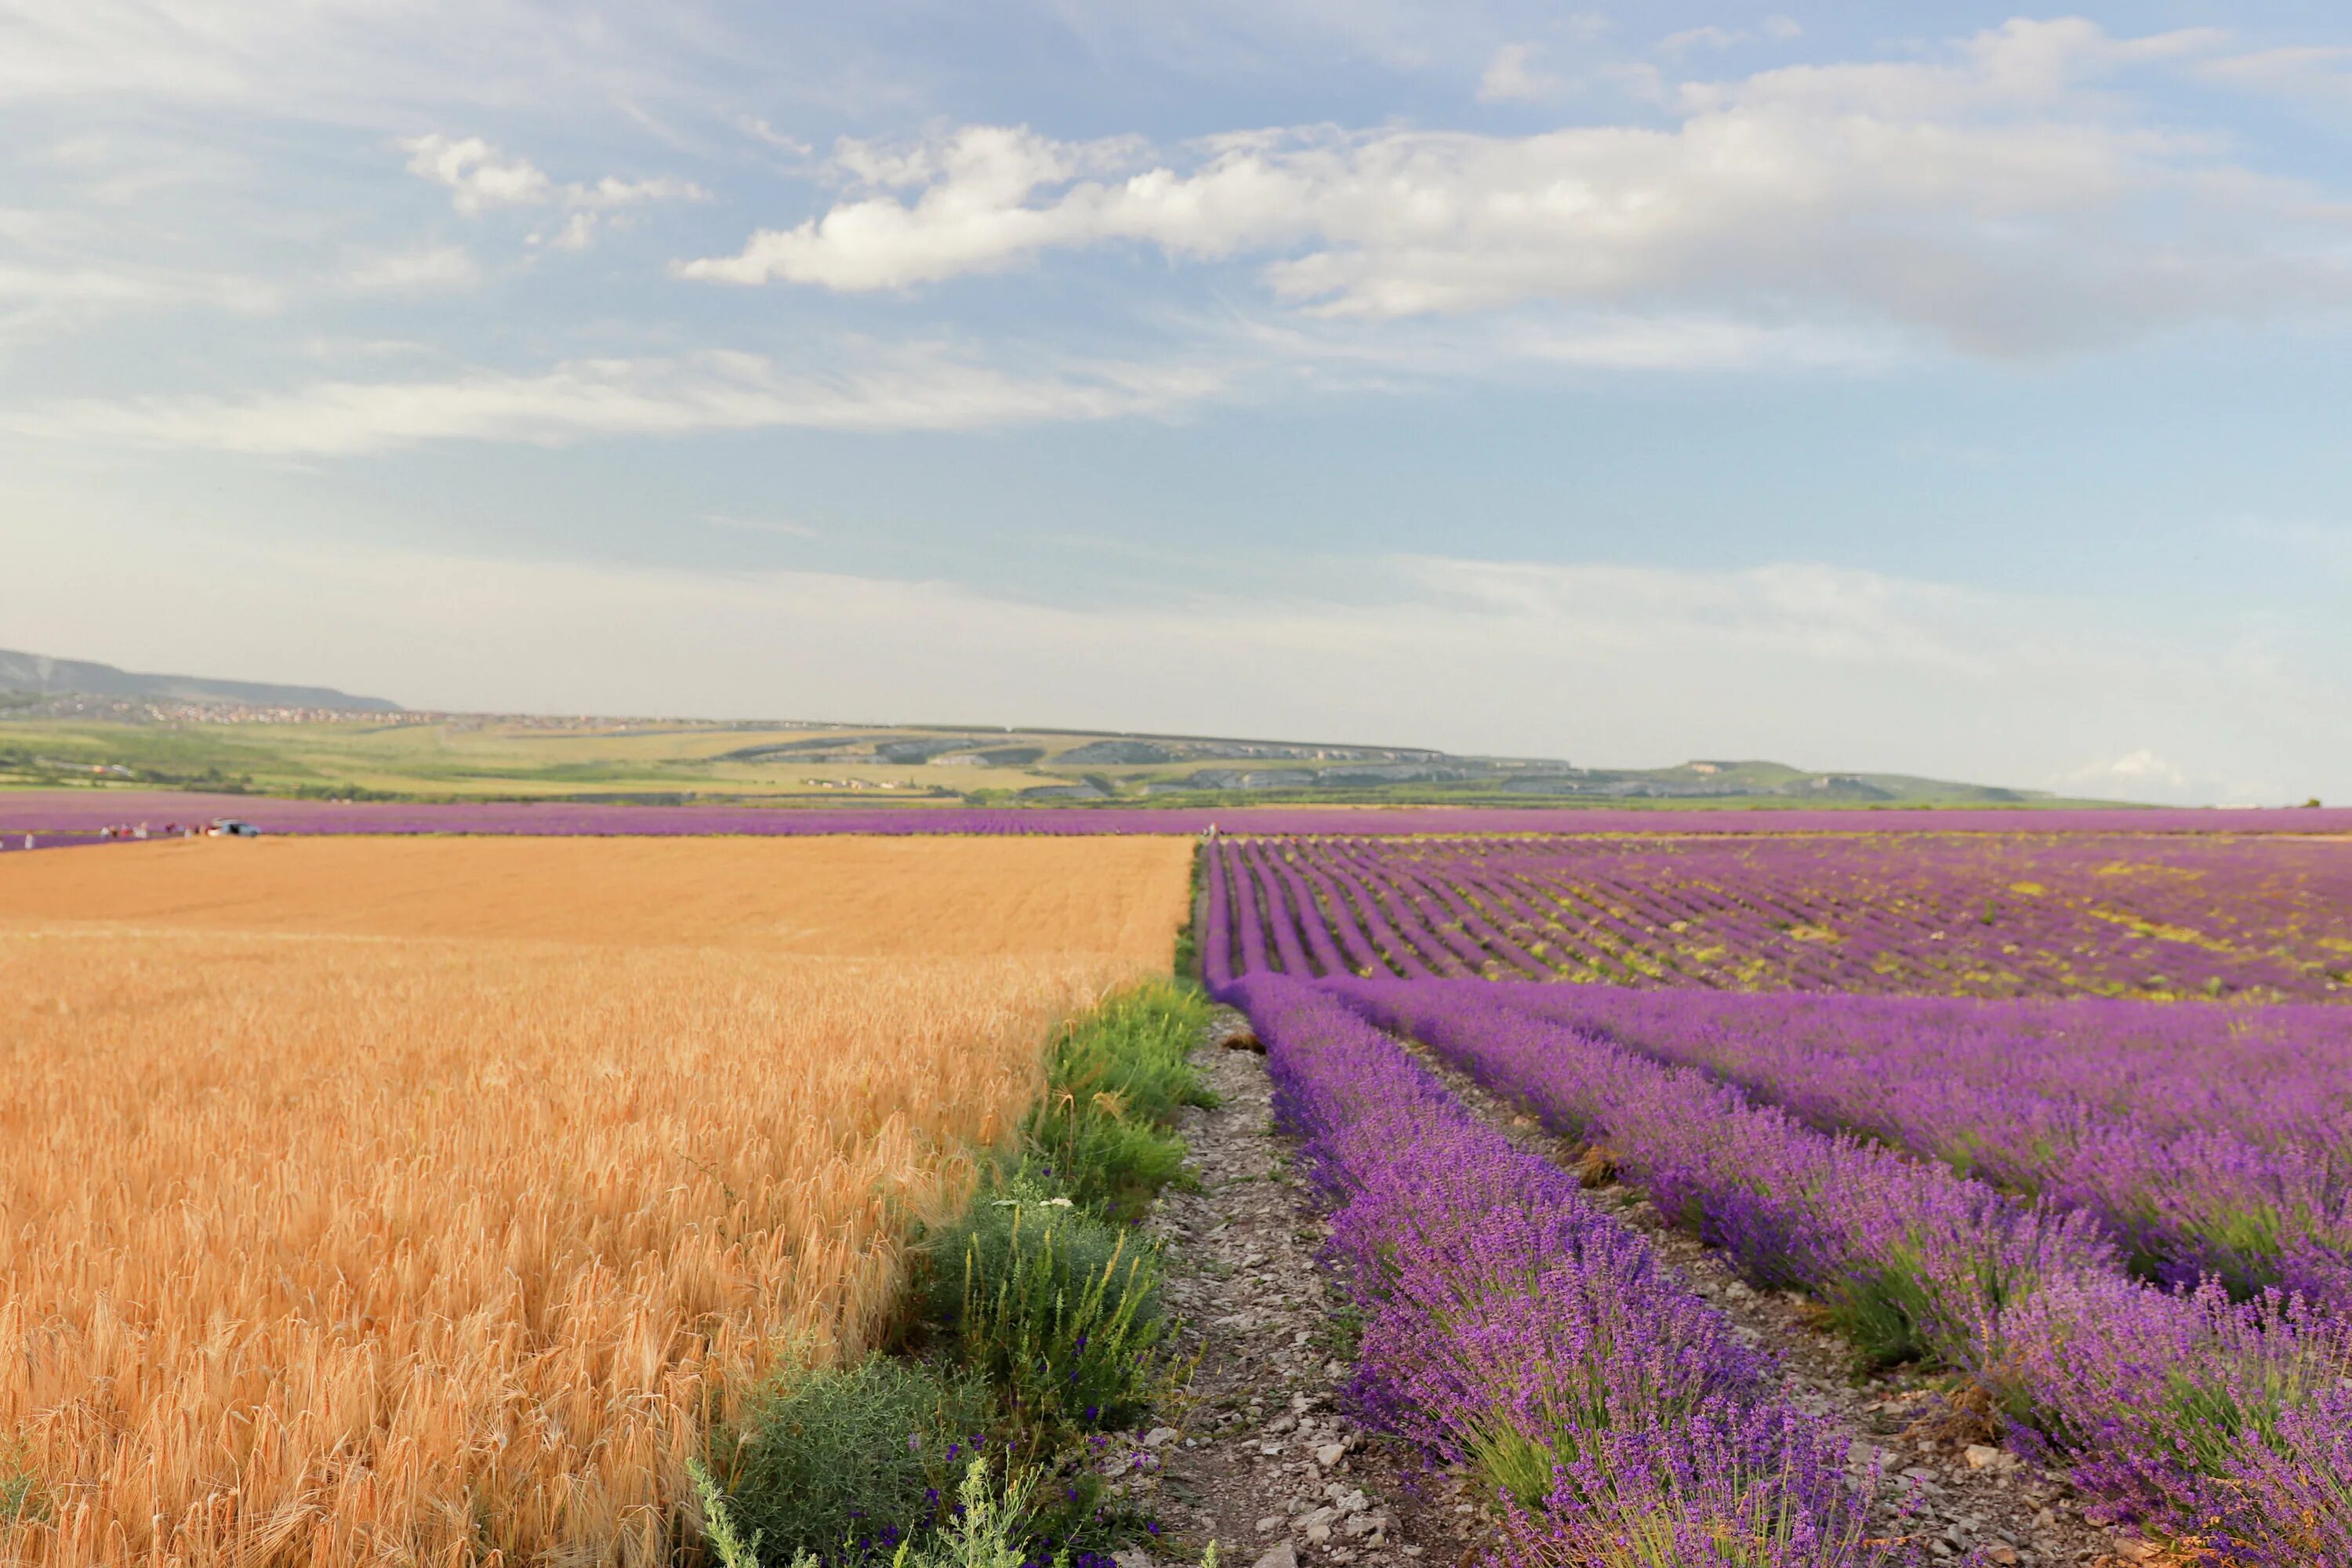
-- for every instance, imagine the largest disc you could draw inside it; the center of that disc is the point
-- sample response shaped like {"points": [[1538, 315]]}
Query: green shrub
{"points": [[1115, 1082], [1057, 1310], [842, 1455]]}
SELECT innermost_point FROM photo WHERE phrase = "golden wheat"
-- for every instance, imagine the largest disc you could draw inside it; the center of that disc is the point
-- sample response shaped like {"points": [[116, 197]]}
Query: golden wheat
{"points": [[327, 1236]]}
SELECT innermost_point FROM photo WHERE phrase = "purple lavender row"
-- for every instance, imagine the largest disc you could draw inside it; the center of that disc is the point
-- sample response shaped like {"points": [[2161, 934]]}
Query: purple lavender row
{"points": [[1512, 1326], [2205, 921], [2278, 1076], [1389, 943], [1303, 934], [1447, 925], [2183, 1203], [1913, 1258], [2124, 915], [1847, 936], [1424, 919], [1249, 924], [1463, 913], [1896, 900], [1282, 920], [1216, 943], [1314, 921], [2185, 1413], [1346, 925]]}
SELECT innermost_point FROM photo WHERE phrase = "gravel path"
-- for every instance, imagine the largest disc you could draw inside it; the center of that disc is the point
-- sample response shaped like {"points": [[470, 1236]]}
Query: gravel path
{"points": [[1264, 1463], [1263, 1460]]}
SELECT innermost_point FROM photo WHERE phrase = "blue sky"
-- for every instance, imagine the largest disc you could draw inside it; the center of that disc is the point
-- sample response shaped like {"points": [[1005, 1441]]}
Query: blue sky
{"points": [[1627, 385]]}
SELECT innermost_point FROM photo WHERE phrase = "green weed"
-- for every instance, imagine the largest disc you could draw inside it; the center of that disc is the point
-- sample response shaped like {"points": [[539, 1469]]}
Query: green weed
{"points": [[835, 1455], [1057, 1310], [1115, 1082]]}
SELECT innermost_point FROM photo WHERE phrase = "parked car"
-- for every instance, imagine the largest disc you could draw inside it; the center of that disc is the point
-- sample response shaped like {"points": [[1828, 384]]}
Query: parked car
{"points": [[231, 827]]}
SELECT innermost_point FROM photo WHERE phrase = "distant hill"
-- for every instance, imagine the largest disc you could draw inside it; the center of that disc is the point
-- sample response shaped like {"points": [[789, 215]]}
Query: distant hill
{"points": [[52, 676], [1088, 767], [66, 720]]}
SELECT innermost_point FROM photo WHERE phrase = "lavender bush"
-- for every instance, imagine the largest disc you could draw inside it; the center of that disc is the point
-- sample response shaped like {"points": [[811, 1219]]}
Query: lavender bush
{"points": [[1511, 1324]]}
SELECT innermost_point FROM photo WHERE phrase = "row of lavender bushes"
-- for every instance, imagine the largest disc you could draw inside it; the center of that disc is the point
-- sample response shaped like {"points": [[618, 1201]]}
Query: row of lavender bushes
{"points": [[2219, 1197], [2207, 1143], [1990, 916], [2224, 1424], [1511, 1324]]}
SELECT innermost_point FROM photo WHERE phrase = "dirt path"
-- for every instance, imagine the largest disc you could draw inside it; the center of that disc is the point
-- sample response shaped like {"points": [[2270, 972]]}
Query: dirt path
{"points": [[1265, 1464]]}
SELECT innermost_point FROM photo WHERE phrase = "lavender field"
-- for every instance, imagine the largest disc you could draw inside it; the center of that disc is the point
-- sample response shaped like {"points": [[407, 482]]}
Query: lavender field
{"points": [[2062, 1119], [81, 814], [2089, 911]]}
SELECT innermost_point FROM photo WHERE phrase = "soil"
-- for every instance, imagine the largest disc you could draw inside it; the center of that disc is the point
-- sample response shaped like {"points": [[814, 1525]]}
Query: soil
{"points": [[1264, 1460]]}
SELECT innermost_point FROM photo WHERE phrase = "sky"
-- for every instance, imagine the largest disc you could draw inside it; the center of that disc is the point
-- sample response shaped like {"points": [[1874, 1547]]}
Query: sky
{"points": [[1935, 389]]}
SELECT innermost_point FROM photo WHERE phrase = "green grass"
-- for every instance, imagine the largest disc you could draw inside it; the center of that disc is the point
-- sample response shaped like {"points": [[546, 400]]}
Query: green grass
{"points": [[1058, 1309], [1115, 1082], [1188, 943]]}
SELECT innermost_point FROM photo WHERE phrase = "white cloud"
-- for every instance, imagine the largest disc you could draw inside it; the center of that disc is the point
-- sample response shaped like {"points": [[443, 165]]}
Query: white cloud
{"points": [[608, 192], [57, 292], [1993, 199], [344, 62], [1491, 346], [2141, 769], [2143, 775], [482, 178], [1709, 38], [870, 388], [1512, 75], [479, 176], [2323, 71], [1807, 610], [428, 270], [1779, 29], [577, 233], [761, 130], [912, 389]]}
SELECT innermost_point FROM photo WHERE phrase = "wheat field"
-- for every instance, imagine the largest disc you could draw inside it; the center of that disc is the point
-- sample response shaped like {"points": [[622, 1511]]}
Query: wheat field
{"points": [[393, 1201]]}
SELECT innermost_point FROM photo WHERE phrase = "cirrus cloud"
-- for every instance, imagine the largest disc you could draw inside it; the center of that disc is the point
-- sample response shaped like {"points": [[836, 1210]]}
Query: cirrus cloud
{"points": [[915, 388]]}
